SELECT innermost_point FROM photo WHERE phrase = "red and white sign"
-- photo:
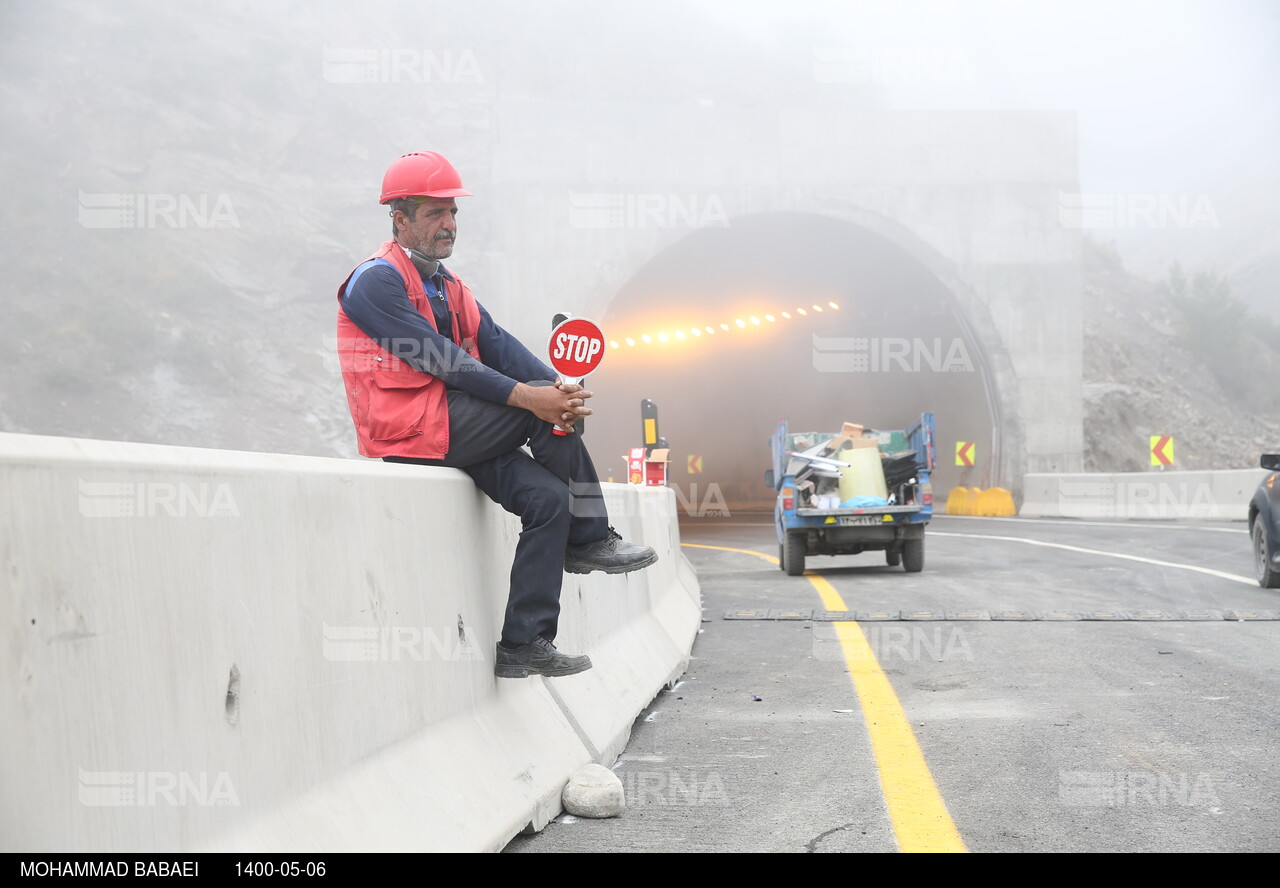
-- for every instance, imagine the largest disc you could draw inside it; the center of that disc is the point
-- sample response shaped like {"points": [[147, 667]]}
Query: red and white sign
{"points": [[576, 348]]}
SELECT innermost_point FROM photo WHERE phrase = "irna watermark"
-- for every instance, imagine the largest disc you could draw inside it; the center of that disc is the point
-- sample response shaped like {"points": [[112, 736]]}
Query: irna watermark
{"points": [[672, 788], [694, 500], [1099, 210], [1113, 789], [153, 499], [378, 64], [396, 355], [100, 789], [1137, 498], [890, 354], [910, 643], [390, 644], [646, 210], [152, 210]]}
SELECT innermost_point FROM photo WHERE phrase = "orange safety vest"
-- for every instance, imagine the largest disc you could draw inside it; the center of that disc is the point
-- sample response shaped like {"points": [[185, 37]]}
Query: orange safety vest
{"points": [[397, 410]]}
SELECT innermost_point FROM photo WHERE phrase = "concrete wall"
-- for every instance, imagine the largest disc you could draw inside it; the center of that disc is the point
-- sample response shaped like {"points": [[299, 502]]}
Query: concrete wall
{"points": [[216, 650], [1221, 495]]}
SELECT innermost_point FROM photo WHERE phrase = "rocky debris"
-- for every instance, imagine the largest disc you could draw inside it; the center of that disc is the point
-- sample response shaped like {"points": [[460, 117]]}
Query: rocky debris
{"points": [[594, 791]]}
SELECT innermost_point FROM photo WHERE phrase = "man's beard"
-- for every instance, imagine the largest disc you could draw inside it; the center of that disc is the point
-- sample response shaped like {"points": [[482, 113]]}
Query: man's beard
{"points": [[435, 248]]}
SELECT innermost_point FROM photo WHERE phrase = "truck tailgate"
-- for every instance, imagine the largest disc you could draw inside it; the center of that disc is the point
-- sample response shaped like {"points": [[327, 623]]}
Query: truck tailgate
{"points": [[873, 515]]}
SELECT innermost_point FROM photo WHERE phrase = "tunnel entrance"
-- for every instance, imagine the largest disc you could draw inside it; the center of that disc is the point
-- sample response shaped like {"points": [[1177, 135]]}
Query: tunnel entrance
{"points": [[797, 317]]}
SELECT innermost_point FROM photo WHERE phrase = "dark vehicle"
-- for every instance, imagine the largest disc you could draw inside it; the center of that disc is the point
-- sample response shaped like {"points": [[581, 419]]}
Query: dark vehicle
{"points": [[1264, 524]]}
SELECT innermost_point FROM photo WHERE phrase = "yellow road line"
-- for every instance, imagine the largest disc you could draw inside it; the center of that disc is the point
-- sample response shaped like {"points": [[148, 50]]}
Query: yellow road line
{"points": [[916, 810]]}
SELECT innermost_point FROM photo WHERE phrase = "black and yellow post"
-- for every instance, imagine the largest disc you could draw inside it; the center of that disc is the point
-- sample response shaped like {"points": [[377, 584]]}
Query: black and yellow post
{"points": [[649, 425]]}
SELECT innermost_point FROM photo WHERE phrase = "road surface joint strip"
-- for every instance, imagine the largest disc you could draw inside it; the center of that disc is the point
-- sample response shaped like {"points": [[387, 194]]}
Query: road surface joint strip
{"points": [[1053, 616]]}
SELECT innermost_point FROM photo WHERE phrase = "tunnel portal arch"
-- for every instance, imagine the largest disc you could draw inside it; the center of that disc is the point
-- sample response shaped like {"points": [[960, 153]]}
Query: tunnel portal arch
{"points": [[793, 316]]}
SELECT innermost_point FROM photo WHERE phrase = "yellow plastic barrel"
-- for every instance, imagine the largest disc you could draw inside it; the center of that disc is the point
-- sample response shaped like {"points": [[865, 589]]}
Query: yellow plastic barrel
{"points": [[996, 502], [958, 501], [975, 501], [864, 476]]}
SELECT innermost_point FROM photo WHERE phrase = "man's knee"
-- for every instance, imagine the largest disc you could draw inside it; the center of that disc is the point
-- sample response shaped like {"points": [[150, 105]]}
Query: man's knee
{"points": [[546, 503]]}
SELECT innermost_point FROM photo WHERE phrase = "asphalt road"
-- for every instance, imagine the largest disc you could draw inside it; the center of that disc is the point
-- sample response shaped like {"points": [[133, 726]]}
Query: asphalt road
{"points": [[1054, 686]]}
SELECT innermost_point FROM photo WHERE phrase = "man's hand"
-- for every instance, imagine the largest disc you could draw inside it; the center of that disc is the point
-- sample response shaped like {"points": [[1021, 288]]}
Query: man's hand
{"points": [[561, 404], [579, 397]]}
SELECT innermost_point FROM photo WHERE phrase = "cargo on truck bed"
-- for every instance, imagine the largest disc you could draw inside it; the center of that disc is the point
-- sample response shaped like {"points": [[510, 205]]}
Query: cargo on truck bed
{"points": [[856, 490]]}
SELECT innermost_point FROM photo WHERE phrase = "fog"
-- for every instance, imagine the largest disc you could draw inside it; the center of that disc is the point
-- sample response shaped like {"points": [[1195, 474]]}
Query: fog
{"points": [[1175, 101], [187, 185]]}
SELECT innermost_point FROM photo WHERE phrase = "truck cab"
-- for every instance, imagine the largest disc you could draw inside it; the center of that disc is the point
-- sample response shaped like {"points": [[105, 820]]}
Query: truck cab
{"points": [[812, 519]]}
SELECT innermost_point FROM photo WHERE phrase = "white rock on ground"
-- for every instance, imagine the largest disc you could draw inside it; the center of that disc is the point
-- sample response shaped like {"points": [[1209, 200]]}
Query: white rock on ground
{"points": [[594, 791]]}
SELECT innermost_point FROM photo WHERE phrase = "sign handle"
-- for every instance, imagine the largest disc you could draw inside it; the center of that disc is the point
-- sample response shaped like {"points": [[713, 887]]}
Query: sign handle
{"points": [[557, 319], [570, 381]]}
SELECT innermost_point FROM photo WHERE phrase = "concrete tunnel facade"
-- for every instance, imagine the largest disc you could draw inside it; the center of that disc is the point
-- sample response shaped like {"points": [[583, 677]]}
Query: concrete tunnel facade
{"points": [[949, 242]]}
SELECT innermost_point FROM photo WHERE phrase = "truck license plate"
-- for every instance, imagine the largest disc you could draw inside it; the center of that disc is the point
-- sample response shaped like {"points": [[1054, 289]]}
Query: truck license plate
{"points": [[858, 519]]}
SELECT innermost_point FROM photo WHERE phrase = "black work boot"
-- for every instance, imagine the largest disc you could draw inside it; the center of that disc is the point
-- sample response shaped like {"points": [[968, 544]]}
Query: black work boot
{"points": [[612, 555], [539, 657]]}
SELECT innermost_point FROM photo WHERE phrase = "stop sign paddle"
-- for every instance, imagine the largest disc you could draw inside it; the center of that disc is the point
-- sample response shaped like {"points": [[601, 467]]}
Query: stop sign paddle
{"points": [[576, 348]]}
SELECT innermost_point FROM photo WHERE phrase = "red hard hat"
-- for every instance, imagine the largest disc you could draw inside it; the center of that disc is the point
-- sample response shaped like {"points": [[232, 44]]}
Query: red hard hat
{"points": [[422, 174]]}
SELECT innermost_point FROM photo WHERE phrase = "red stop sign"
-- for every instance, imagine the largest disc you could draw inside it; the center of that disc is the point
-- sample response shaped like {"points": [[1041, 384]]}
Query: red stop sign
{"points": [[576, 348]]}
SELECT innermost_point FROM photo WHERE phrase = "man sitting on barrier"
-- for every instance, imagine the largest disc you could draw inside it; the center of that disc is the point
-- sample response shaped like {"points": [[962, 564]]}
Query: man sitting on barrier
{"points": [[431, 379]]}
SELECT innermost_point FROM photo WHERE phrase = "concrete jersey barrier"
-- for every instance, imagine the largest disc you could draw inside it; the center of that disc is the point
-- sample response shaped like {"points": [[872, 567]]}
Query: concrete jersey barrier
{"points": [[228, 651], [1210, 495]]}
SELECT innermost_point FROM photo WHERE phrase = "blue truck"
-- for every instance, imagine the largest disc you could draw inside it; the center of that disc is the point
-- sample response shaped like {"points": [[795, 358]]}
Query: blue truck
{"points": [[810, 517]]}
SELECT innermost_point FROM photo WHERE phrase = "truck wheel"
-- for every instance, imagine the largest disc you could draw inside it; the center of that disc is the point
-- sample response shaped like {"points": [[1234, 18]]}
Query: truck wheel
{"points": [[913, 555], [793, 556], [892, 557], [1262, 549]]}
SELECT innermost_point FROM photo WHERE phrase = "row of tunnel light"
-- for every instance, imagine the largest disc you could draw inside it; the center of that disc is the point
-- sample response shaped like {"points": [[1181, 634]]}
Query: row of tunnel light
{"points": [[711, 330]]}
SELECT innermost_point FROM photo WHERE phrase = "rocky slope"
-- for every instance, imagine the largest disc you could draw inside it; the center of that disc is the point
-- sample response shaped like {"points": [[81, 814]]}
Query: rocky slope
{"points": [[1143, 376]]}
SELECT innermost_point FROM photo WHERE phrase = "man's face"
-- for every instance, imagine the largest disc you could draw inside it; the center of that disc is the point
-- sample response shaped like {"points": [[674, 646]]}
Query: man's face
{"points": [[433, 228]]}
